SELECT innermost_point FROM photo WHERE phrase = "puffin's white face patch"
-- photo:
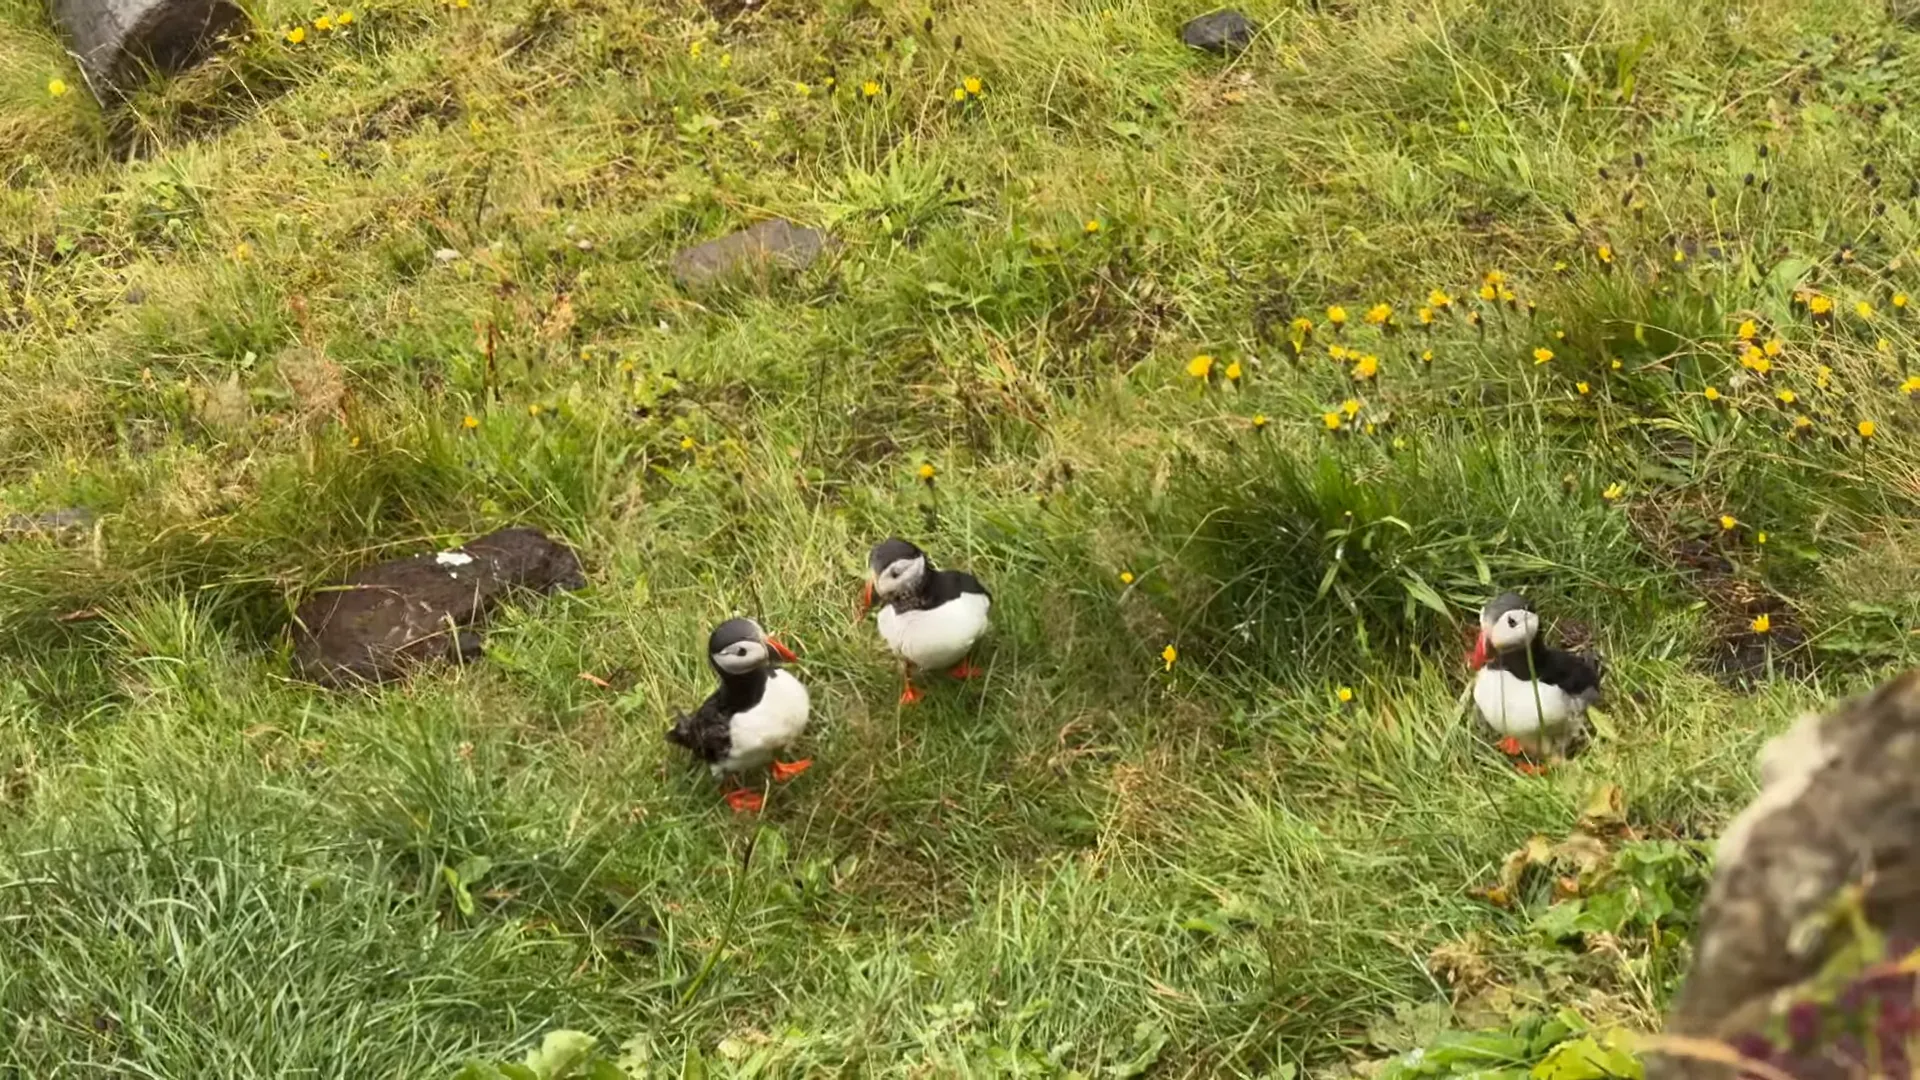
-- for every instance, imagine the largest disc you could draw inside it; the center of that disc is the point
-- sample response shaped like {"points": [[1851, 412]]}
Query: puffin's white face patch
{"points": [[453, 558]]}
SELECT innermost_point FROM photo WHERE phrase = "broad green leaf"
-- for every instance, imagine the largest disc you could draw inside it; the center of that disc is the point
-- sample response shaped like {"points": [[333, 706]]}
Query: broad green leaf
{"points": [[559, 1054]]}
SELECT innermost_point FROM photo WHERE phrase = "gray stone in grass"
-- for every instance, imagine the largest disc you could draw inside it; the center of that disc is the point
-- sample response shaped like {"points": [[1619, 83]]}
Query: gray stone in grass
{"points": [[770, 245], [1838, 809], [1220, 32], [118, 42], [388, 618], [54, 524]]}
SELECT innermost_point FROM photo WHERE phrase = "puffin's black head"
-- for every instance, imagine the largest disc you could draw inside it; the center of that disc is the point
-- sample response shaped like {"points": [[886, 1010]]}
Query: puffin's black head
{"points": [[739, 646], [1507, 622], [895, 568]]}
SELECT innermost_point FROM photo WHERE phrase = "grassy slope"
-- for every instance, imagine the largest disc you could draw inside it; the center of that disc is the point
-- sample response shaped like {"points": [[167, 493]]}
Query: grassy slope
{"points": [[209, 871]]}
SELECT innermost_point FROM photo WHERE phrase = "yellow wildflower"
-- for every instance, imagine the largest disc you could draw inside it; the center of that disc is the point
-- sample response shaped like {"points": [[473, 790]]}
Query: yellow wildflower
{"points": [[1439, 298], [1169, 654], [1542, 354], [1200, 366], [1126, 577], [1605, 252], [1863, 309], [870, 88], [471, 422], [1899, 299], [345, 18], [296, 35], [1748, 331], [1426, 356], [1760, 537], [1911, 385], [925, 471], [1495, 277], [323, 24], [1786, 396], [1773, 347], [1339, 352], [1583, 388], [1367, 367], [1378, 314], [1426, 316], [1884, 345], [533, 410], [1762, 624], [1866, 428], [686, 442], [1302, 326], [1679, 256], [801, 89], [1337, 315], [1820, 305], [1803, 423], [1487, 292], [1351, 407], [56, 87], [1233, 371], [1728, 523], [1615, 491], [1711, 393], [1259, 421], [1615, 364], [959, 93], [1345, 694], [1093, 225], [695, 48], [1331, 420], [1823, 376], [973, 86]]}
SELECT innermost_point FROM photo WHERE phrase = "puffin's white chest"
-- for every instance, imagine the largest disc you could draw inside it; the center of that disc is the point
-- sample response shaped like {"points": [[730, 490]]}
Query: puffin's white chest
{"points": [[1521, 707], [760, 733], [936, 637]]}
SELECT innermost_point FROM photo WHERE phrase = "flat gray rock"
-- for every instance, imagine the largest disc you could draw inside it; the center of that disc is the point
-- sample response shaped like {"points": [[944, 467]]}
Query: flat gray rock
{"points": [[118, 42], [388, 618], [54, 524], [1222, 32], [774, 245]]}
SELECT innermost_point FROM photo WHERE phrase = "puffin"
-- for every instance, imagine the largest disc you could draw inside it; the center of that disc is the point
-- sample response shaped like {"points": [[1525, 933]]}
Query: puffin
{"points": [[1534, 696], [930, 618], [757, 712]]}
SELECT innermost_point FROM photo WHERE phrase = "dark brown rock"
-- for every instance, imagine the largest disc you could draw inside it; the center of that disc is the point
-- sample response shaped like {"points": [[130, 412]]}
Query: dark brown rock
{"points": [[387, 618], [118, 42], [1222, 32], [766, 247], [1839, 809]]}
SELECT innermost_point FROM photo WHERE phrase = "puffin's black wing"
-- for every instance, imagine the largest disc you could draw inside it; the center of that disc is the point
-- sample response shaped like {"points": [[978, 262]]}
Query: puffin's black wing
{"points": [[1570, 672], [952, 585], [707, 734]]}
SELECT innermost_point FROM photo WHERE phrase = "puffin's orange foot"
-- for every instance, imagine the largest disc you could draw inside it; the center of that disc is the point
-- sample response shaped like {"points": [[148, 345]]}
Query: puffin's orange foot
{"points": [[745, 801], [1510, 746], [965, 670], [784, 771], [909, 696], [1528, 768]]}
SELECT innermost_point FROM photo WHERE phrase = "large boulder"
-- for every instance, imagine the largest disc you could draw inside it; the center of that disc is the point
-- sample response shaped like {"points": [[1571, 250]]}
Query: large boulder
{"points": [[1829, 846], [387, 618], [118, 42]]}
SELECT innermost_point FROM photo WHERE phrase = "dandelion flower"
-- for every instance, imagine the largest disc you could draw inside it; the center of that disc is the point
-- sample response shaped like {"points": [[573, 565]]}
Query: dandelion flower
{"points": [[1884, 345], [1378, 314], [1093, 225], [686, 442], [1233, 371], [1786, 396], [1488, 292], [323, 24], [1911, 385], [959, 93], [1345, 694], [1542, 354], [1823, 377], [1615, 364], [870, 88], [1259, 421], [1615, 492], [1900, 300], [1126, 577], [1200, 366], [1760, 537], [1711, 393], [1367, 367], [1605, 253], [1332, 420], [1820, 305], [1583, 388], [56, 87], [1169, 654], [1773, 347], [1761, 623], [1302, 326], [1337, 315], [925, 471], [1425, 315], [695, 48], [1802, 424], [1507, 297], [973, 86], [296, 35], [1338, 352], [1351, 407], [345, 18], [1728, 523], [1679, 256], [1866, 428], [1426, 356], [1495, 277], [1439, 299], [1863, 309], [1748, 331], [471, 422], [801, 89]]}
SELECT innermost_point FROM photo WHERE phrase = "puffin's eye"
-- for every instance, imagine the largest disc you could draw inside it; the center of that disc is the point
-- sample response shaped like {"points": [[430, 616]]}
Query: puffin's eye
{"points": [[1511, 621]]}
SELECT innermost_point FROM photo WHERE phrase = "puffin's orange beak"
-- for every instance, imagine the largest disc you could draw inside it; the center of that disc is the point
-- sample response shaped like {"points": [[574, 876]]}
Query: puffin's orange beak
{"points": [[866, 601], [781, 650], [1478, 657]]}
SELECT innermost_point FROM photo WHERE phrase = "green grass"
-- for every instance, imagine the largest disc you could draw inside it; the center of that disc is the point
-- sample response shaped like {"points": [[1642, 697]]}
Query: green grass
{"points": [[224, 328]]}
